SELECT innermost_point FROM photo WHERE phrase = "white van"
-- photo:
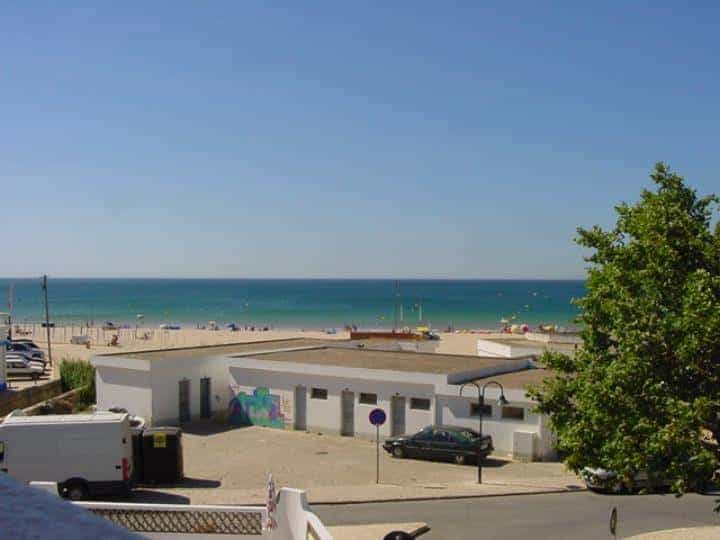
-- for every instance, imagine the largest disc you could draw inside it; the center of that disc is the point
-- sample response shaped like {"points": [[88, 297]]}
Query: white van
{"points": [[86, 454]]}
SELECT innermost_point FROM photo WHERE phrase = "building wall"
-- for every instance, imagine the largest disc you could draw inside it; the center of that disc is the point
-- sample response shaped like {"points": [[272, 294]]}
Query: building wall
{"points": [[166, 375], [126, 388], [324, 415], [3, 375], [455, 411]]}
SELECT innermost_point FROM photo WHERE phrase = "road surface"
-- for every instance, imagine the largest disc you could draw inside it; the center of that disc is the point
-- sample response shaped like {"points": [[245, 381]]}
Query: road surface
{"points": [[582, 515]]}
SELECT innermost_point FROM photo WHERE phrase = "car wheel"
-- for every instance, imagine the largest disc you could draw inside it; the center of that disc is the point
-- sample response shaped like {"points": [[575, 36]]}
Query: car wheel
{"points": [[459, 459], [76, 491], [398, 452], [35, 376]]}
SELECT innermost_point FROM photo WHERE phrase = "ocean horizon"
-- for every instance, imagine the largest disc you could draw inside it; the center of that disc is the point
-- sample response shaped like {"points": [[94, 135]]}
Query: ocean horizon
{"points": [[298, 303]]}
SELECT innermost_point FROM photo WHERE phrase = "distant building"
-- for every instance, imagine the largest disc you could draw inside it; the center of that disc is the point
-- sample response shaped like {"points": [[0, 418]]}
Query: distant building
{"points": [[330, 388], [4, 330]]}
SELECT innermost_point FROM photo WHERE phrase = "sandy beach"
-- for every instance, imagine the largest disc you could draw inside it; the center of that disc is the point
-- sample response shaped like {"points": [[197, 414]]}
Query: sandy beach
{"points": [[153, 339]]}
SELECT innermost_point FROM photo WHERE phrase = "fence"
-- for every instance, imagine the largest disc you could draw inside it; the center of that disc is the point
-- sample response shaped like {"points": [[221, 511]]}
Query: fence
{"points": [[22, 399]]}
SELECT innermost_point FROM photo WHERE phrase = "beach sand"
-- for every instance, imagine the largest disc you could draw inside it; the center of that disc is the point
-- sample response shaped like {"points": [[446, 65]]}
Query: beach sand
{"points": [[129, 340]]}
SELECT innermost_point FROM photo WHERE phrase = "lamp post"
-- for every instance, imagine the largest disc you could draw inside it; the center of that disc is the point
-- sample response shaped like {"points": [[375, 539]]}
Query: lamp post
{"points": [[481, 403]]}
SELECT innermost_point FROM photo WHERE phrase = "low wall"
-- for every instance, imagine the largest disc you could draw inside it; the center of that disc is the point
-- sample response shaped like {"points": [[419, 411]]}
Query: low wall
{"points": [[385, 335], [22, 399]]}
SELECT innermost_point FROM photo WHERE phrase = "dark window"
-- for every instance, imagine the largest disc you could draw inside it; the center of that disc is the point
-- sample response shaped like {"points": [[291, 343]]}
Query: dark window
{"points": [[425, 435], [420, 403], [368, 399], [513, 413], [319, 393], [442, 436], [486, 409]]}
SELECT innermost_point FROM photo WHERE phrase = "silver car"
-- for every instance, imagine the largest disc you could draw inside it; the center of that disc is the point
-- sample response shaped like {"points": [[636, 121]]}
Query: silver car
{"points": [[19, 366]]}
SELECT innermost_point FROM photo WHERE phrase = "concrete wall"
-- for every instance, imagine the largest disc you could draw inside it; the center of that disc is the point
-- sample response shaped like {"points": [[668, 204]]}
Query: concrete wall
{"points": [[21, 399], [123, 382], [324, 415], [455, 411], [486, 347], [166, 375], [3, 336]]}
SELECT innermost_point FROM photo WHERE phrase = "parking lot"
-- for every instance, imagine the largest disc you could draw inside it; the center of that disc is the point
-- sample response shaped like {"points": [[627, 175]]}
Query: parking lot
{"points": [[218, 459]]}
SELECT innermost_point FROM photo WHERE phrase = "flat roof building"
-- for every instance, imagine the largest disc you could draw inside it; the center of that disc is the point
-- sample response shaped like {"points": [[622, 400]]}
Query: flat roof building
{"points": [[324, 387]]}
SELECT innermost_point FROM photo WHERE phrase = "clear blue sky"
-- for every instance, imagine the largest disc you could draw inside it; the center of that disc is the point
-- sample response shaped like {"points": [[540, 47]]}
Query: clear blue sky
{"points": [[336, 139]]}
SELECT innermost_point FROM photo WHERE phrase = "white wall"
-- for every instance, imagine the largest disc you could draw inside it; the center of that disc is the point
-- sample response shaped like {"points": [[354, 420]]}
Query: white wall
{"points": [[487, 347], [166, 374], [325, 415], [3, 367], [455, 411], [121, 387]]}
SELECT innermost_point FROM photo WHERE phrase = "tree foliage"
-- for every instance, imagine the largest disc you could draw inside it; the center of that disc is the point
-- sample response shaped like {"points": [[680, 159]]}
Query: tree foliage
{"points": [[643, 392]]}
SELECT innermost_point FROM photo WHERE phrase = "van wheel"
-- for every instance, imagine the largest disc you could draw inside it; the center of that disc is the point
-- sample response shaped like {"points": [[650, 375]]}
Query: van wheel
{"points": [[459, 459], [398, 452], [76, 491]]}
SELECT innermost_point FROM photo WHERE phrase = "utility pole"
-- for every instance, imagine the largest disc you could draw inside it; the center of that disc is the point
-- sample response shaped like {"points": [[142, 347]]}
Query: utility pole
{"points": [[47, 320], [11, 290], [397, 297]]}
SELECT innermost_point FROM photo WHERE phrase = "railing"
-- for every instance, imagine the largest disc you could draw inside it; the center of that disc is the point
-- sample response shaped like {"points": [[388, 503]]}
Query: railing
{"points": [[183, 519]]}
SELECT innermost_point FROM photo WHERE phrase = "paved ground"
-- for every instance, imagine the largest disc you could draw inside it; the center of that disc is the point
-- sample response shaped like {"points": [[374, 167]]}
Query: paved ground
{"points": [[232, 465], [558, 516]]}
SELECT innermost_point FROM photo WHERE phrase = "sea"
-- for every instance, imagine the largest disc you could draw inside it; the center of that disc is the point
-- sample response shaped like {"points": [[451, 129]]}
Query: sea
{"points": [[298, 303]]}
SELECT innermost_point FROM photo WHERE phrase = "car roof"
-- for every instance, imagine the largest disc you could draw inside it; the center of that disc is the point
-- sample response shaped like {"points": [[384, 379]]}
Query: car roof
{"points": [[450, 428]]}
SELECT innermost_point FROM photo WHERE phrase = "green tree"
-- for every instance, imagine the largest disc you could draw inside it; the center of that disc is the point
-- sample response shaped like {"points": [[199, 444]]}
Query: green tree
{"points": [[643, 392]]}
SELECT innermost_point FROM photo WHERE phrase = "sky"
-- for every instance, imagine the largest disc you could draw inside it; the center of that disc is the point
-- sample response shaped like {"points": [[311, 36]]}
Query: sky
{"points": [[336, 139]]}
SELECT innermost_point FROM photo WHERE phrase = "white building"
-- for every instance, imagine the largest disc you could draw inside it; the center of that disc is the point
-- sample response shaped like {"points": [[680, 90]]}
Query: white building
{"points": [[330, 388], [4, 329]]}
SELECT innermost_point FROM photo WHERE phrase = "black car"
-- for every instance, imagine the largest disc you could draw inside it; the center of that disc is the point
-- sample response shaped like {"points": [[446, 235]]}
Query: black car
{"points": [[442, 443]]}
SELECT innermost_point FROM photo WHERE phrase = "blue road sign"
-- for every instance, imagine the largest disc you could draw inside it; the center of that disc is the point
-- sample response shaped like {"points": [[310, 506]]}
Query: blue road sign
{"points": [[377, 417]]}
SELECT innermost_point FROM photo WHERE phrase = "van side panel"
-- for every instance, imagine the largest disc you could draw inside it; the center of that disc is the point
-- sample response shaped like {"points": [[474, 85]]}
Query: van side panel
{"points": [[92, 451]]}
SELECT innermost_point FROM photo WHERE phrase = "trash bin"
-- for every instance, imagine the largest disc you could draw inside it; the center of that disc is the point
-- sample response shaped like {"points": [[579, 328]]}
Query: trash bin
{"points": [[162, 455], [137, 426]]}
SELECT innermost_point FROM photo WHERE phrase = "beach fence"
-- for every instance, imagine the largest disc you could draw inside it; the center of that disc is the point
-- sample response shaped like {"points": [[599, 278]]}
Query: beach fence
{"points": [[93, 334]]}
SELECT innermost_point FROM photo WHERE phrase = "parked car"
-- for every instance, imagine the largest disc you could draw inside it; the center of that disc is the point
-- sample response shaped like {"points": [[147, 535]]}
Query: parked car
{"points": [[109, 325], [19, 366], [24, 351], [28, 349], [604, 481], [442, 443]]}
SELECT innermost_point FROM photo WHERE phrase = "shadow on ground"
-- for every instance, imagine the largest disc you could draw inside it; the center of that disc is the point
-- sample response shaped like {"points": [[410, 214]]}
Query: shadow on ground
{"points": [[187, 482], [208, 428]]}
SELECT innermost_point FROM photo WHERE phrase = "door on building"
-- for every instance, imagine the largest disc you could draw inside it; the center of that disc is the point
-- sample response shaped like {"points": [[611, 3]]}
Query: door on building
{"points": [[300, 408], [205, 397], [347, 414], [397, 416], [184, 400]]}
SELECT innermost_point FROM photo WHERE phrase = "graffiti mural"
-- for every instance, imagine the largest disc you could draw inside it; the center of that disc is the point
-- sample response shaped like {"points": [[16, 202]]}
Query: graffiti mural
{"points": [[259, 409]]}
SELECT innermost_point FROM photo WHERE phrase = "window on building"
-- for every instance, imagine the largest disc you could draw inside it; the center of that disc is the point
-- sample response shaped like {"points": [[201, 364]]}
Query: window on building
{"points": [[368, 399], [420, 404], [318, 393], [486, 409], [513, 413]]}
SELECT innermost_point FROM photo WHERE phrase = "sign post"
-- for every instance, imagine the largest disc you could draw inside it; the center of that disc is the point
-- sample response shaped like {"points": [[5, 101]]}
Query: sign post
{"points": [[377, 418]]}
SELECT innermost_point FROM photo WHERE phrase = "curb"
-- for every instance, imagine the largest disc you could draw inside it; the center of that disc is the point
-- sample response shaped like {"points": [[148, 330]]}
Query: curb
{"points": [[442, 497]]}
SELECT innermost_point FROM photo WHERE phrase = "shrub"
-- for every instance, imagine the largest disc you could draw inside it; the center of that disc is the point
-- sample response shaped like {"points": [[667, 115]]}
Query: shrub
{"points": [[78, 374]]}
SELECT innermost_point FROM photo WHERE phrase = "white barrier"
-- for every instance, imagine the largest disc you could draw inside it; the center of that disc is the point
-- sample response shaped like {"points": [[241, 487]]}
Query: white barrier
{"points": [[294, 519]]}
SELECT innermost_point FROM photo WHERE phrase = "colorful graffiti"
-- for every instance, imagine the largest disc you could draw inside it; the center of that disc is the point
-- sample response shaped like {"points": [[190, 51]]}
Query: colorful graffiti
{"points": [[259, 409]]}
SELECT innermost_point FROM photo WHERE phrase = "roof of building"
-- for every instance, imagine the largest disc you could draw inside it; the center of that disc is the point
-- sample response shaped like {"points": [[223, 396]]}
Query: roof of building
{"points": [[219, 350], [383, 360], [520, 380]]}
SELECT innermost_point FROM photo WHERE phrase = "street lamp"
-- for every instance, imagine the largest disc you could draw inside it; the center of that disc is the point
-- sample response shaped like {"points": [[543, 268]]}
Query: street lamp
{"points": [[481, 402]]}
